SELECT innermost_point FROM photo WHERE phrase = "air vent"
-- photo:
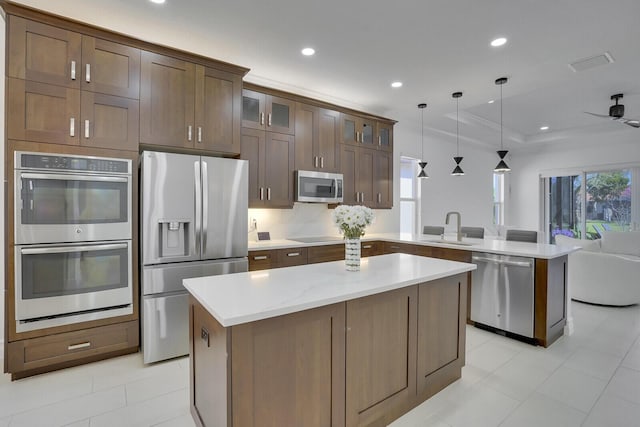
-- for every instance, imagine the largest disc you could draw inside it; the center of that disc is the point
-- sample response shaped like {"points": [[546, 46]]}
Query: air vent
{"points": [[591, 62]]}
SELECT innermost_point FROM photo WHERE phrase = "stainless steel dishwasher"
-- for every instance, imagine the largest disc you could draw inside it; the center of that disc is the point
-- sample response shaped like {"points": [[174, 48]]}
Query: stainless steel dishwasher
{"points": [[502, 292]]}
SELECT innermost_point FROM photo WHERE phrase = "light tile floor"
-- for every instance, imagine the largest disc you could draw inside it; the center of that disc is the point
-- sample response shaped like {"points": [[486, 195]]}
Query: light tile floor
{"points": [[591, 378]]}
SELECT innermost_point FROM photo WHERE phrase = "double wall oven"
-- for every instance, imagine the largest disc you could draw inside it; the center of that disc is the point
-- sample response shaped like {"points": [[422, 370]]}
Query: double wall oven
{"points": [[73, 228]]}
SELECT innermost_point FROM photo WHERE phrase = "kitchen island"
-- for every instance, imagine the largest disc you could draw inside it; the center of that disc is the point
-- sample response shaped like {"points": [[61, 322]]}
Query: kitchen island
{"points": [[315, 345], [550, 308]]}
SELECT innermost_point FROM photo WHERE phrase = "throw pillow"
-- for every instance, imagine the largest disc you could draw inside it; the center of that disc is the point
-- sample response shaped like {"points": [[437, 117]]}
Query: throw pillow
{"points": [[621, 242]]}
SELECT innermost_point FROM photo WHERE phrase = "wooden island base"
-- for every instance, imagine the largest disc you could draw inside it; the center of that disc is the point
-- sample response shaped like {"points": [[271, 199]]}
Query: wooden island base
{"points": [[363, 362]]}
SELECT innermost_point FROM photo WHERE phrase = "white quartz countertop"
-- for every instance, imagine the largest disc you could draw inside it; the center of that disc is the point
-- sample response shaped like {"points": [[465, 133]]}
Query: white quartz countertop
{"points": [[239, 298], [488, 245]]}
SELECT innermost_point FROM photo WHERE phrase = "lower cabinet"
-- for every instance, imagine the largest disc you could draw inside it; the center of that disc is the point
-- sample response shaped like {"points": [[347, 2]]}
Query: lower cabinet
{"points": [[381, 356], [28, 357], [362, 362]]}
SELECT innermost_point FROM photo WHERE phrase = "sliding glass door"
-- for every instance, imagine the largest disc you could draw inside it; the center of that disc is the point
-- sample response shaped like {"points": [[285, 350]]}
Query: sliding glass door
{"points": [[586, 204]]}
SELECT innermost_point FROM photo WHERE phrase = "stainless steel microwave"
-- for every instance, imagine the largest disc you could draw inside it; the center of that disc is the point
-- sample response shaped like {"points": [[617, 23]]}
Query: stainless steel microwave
{"points": [[321, 187]]}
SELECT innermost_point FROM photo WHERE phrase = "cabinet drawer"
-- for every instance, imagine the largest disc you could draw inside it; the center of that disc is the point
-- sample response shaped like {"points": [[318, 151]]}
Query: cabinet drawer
{"points": [[403, 248], [292, 256], [50, 350], [371, 248], [262, 260], [325, 253]]}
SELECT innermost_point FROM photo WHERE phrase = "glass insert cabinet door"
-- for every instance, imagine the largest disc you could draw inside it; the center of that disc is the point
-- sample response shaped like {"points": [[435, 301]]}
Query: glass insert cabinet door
{"points": [[357, 130], [267, 112]]}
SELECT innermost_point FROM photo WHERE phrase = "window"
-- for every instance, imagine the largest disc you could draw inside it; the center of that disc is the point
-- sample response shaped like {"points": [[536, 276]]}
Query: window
{"points": [[409, 195], [585, 205], [498, 198]]}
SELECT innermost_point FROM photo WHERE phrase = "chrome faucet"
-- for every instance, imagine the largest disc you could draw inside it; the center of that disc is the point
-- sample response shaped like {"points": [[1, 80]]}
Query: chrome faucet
{"points": [[459, 237]]}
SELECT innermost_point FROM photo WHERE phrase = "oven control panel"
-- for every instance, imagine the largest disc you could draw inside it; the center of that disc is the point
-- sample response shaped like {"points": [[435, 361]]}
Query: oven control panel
{"points": [[73, 163]]}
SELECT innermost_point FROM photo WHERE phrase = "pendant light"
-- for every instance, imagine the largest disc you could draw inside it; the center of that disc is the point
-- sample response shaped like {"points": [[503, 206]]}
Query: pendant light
{"points": [[502, 165], [458, 170], [422, 164]]}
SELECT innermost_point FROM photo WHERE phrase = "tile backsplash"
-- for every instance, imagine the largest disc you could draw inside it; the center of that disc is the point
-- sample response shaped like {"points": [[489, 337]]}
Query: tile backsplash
{"points": [[309, 219]]}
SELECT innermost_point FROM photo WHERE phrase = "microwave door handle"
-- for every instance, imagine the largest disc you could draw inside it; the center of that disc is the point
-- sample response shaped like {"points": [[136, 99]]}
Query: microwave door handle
{"points": [[67, 249], [57, 177], [198, 199], [205, 205]]}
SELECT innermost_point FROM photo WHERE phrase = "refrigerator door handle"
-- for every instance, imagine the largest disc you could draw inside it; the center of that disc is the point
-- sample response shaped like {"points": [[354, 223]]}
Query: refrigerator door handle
{"points": [[205, 205], [198, 190]]}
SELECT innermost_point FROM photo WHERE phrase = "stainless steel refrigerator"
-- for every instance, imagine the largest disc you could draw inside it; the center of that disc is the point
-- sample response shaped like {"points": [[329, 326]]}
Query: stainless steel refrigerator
{"points": [[193, 224]]}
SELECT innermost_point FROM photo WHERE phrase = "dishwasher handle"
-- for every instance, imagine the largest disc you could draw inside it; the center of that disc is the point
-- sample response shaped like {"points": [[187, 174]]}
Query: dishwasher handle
{"points": [[526, 264]]}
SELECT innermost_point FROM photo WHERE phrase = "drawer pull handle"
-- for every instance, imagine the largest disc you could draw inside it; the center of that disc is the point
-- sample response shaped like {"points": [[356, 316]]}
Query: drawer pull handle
{"points": [[88, 73], [72, 127], [293, 254], [78, 346], [259, 257], [73, 70], [366, 246]]}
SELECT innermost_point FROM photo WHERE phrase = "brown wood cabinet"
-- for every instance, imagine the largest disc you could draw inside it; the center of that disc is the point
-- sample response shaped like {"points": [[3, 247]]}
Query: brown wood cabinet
{"points": [[385, 136], [187, 105], [110, 68], [368, 177], [325, 253], [254, 385], [263, 260], [371, 248], [271, 160], [381, 371], [383, 180], [358, 130], [441, 333], [34, 355], [268, 112], [317, 138]]}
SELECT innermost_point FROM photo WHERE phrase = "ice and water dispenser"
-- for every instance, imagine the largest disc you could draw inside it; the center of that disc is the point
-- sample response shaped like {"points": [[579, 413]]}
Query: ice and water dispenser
{"points": [[174, 238]]}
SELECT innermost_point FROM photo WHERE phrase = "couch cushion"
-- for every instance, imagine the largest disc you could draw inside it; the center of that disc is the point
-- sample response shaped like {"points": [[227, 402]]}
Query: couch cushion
{"points": [[620, 242], [586, 245]]}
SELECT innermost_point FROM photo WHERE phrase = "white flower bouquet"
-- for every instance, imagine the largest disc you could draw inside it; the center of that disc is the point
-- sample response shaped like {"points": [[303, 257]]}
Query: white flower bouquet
{"points": [[352, 220]]}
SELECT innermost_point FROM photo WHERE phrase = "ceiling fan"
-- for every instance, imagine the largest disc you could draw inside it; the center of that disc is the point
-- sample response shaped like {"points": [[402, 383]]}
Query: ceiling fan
{"points": [[616, 113]]}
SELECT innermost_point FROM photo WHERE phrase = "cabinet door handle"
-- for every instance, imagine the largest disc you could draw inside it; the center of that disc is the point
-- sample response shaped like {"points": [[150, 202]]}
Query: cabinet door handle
{"points": [[379, 198], [86, 129], [269, 121], [321, 162], [199, 134], [362, 198], [78, 346], [261, 193], [262, 118], [72, 127], [189, 132], [73, 70], [357, 136], [293, 254], [315, 161], [379, 140], [87, 74], [269, 193], [259, 257]]}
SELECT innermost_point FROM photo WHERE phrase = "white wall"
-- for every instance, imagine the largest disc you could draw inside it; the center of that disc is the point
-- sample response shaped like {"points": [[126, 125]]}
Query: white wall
{"points": [[620, 147], [470, 194]]}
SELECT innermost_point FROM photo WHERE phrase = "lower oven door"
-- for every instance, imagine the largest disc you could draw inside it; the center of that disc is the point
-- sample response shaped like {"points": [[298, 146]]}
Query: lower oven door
{"points": [[53, 281]]}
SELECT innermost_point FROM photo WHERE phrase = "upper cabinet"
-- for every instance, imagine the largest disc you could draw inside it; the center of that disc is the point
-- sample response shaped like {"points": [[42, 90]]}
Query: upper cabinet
{"points": [[187, 105], [358, 130], [68, 88], [384, 136], [317, 139], [267, 112], [51, 55]]}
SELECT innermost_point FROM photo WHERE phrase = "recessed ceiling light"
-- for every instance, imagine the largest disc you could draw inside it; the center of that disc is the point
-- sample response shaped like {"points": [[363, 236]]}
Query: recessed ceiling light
{"points": [[157, 1], [544, 127], [498, 42], [491, 101], [308, 51], [396, 84]]}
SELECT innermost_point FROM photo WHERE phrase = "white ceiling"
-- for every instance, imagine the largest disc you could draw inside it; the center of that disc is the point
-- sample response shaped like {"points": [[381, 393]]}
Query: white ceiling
{"points": [[435, 47]]}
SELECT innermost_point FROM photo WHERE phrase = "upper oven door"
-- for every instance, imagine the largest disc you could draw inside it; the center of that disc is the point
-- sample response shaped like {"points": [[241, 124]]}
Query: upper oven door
{"points": [[66, 207], [319, 187]]}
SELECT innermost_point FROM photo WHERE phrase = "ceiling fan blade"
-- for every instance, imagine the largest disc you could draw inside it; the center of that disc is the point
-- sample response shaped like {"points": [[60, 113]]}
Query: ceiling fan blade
{"points": [[598, 115]]}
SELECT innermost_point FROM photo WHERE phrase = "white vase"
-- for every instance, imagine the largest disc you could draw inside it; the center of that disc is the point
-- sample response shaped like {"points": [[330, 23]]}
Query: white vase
{"points": [[352, 254]]}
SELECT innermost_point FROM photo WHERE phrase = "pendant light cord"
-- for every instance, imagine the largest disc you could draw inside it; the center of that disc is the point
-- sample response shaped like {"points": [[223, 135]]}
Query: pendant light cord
{"points": [[501, 117], [422, 134], [457, 130]]}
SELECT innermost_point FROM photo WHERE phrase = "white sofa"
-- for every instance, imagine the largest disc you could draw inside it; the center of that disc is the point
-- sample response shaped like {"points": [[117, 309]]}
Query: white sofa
{"points": [[605, 271]]}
